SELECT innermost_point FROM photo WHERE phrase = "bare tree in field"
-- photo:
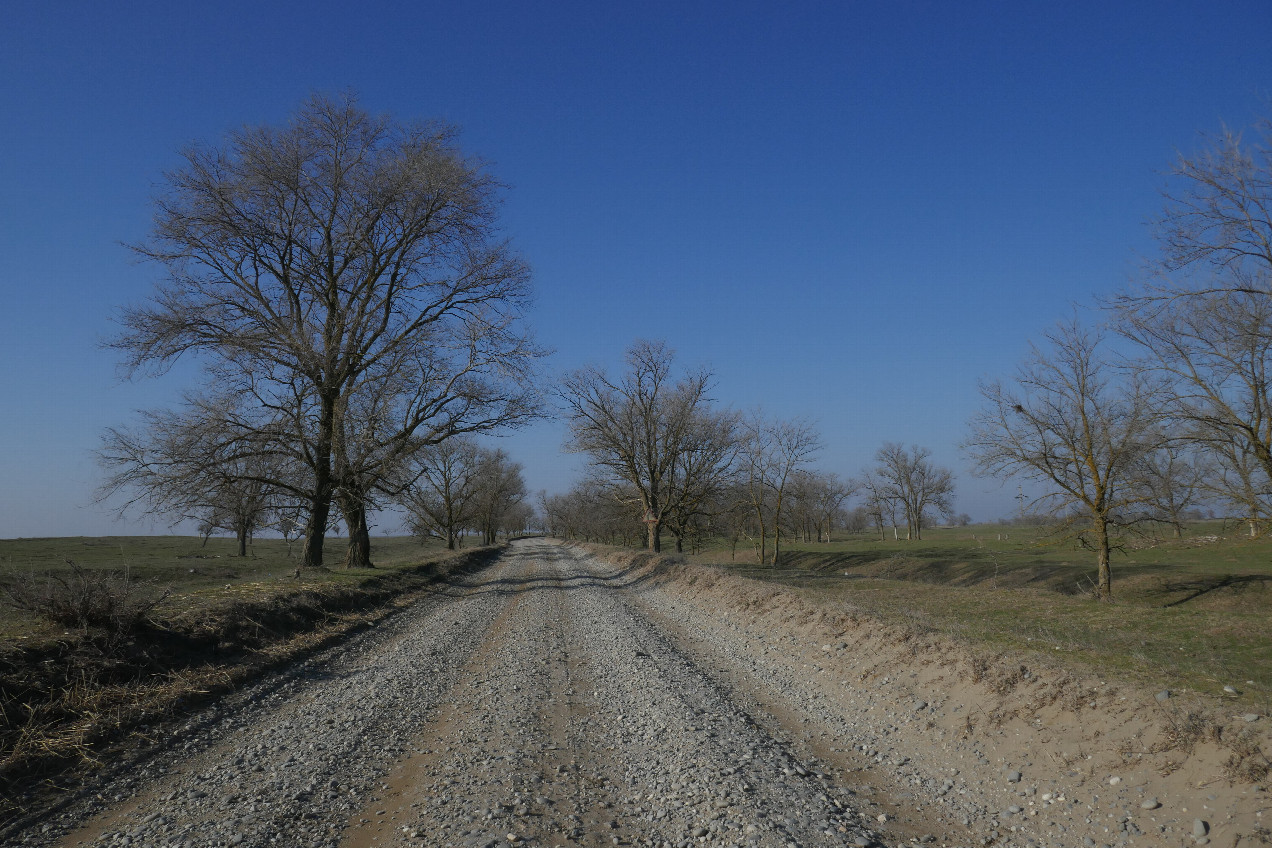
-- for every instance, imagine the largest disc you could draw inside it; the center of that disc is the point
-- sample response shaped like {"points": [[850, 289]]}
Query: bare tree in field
{"points": [[188, 466], [1239, 480], [500, 489], [909, 479], [829, 493], [307, 260], [771, 454], [1079, 428], [634, 429], [1176, 479], [880, 505], [441, 501], [700, 472], [1212, 352]]}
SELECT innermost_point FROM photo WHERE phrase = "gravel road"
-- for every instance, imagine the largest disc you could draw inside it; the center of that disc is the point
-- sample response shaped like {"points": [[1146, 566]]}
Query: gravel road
{"points": [[533, 703]]}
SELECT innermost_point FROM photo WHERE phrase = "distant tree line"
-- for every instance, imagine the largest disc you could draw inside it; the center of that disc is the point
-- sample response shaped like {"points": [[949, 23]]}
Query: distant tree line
{"points": [[664, 459]]}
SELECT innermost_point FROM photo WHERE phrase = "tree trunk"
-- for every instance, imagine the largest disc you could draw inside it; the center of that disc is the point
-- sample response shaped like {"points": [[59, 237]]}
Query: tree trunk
{"points": [[320, 502], [315, 532], [654, 538], [1104, 588], [359, 552], [242, 542], [680, 544]]}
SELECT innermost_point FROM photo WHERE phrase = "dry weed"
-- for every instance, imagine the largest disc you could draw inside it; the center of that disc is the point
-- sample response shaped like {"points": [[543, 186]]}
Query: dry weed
{"points": [[1185, 730], [1260, 836], [1247, 763]]}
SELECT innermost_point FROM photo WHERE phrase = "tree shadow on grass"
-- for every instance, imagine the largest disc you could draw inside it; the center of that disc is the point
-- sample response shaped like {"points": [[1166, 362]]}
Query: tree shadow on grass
{"points": [[1199, 586]]}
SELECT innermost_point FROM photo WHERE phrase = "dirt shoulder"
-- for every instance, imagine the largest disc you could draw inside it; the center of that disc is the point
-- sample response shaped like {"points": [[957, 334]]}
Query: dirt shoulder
{"points": [[1014, 750]]}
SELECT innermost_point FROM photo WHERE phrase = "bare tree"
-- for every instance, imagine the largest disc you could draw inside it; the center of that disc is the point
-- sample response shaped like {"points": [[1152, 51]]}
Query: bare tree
{"points": [[441, 501], [1212, 352], [771, 454], [829, 495], [1077, 427], [635, 430], [1176, 479], [186, 466], [1219, 209], [1238, 479], [909, 479], [500, 488], [700, 472], [880, 506], [304, 261]]}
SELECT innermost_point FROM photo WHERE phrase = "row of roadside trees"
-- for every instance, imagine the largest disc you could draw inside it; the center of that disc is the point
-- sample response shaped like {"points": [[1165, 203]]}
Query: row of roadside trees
{"points": [[343, 285], [1164, 408], [663, 456]]}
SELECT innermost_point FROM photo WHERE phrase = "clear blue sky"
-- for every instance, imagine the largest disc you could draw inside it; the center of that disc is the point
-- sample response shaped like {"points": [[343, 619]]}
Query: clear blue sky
{"points": [[851, 211]]}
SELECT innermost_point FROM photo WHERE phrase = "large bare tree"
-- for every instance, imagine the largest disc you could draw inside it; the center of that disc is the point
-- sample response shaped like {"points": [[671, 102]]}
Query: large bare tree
{"points": [[1219, 209], [1077, 427], [636, 429], [307, 260]]}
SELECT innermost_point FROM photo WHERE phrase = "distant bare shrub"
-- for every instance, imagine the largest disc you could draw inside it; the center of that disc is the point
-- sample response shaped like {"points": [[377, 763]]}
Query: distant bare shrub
{"points": [[84, 598]]}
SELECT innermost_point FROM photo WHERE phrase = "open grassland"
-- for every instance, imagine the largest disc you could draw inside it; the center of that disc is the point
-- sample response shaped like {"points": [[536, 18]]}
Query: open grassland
{"points": [[195, 575], [1192, 613]]}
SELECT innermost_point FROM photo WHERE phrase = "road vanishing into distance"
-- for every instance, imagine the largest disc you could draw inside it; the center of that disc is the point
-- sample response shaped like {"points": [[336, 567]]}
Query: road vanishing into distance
{"points": [[537, 702]]}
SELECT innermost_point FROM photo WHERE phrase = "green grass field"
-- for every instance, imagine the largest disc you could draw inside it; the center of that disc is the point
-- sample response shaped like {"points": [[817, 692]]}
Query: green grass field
{"points": [[1191, 613], [196, 574]]}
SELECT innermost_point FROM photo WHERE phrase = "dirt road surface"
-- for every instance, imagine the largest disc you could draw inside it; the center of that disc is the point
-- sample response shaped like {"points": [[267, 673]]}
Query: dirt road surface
{"points": [[557, 699]]}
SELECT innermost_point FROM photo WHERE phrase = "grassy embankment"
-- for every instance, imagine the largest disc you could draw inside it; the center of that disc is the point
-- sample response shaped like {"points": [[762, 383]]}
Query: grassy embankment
{"points": [[1193, 613]]}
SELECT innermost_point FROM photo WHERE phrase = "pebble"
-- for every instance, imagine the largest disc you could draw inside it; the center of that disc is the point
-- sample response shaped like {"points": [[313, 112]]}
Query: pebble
{"points": [[1150, 804]]}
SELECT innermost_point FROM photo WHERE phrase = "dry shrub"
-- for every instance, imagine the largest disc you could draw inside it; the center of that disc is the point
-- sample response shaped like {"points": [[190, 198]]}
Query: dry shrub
{"points": [[1184, 730], [1247, 763], [85, 598]]}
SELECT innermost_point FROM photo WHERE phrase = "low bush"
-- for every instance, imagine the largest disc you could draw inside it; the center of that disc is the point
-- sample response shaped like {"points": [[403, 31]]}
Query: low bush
{"points": [[84, 598]]}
